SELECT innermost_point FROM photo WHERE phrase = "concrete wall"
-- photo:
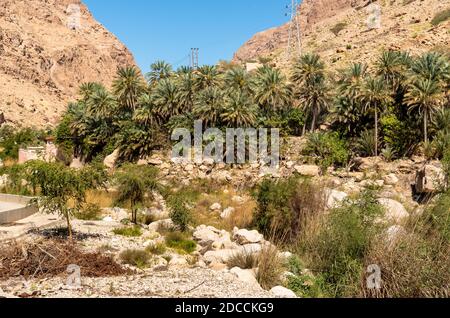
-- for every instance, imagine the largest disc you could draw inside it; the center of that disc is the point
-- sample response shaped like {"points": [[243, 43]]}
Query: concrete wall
{"points": [[15, 215]]}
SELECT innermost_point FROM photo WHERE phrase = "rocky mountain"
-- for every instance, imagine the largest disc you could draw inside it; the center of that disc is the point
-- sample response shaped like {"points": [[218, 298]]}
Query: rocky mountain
{"points": [[355, 30], [47, 48]]}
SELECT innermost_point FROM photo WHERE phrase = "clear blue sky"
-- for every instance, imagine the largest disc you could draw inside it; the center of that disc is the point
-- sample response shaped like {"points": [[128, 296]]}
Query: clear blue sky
{"points": [[164, 29]]}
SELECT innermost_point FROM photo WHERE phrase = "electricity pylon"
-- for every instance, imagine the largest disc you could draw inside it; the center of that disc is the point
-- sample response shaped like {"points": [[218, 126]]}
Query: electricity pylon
{"points": [[294, 41], [194, 58]]}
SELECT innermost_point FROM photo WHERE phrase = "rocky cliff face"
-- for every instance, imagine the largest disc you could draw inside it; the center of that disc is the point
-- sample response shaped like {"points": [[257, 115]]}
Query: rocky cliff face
{"points": [[48, 48], [341, 31]]}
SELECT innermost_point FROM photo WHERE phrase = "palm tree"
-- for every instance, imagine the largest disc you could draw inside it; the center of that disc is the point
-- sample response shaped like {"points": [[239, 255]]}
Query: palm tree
{"points": [[239, 110], [128, 86], [237, 78], [374, 97], [308, 75], [158, 71], [431, 66], [208, 105], [271, 90], [392, 66], [101, 104], [186, 91], [146, 114], [87, 89], [166, 99], [182, 70], [426, 96], [308, 69], [207, 76]]}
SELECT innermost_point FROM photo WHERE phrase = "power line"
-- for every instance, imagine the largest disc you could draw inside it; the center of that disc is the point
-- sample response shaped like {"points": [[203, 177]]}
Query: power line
{"points": [[294, 40]]}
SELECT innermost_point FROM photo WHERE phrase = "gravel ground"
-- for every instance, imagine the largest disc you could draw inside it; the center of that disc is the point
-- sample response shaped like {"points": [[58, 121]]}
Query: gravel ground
{"points": [[174, 283]]}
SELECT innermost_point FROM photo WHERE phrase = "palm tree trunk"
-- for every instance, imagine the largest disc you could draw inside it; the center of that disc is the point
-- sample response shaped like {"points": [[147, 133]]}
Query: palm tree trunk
{"points": [[425, 126], [313, 123], [376, 132]]}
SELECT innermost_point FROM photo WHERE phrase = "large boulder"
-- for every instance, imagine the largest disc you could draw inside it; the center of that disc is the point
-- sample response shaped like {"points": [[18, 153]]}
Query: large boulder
{"points": [[394, 211], [110, 161], [391, 179], [335, 198], [308, 170], [219, 256], [161, 225], [282, 292], [430, 178], [243, 236], [367, 164], [246, 275], [208, 236]]}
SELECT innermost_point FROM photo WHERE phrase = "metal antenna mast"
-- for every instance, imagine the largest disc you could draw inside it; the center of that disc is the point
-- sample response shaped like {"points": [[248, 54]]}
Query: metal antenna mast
{"points": [[194, 58], [294, 40]]}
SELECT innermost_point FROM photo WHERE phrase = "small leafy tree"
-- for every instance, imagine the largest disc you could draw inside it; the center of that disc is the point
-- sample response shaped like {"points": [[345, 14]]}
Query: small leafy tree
{"points": [[135, 186], [62, 190]]}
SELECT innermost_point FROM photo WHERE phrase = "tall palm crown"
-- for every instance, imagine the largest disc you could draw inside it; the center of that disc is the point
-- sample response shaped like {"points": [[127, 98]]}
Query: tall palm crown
{"points": [[207, 76], [158, 71], [271, 90], [128, 86], [351, 83], [431, 66], [239, 110], [165, 97], [208, 105], [425, 96], [392, 67], [237, 78], [186, 91], [89, 88], [308, 69], [101, 104], [147, 113]]}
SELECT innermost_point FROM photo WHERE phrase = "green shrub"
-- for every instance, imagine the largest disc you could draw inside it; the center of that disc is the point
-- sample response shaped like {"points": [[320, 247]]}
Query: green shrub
{"points": [[134, 231], [440, 17], [338, 249], [157, 249], [366, 143], [285, 206], [11, 140], [179, 213], [328, 149], [179, 241], [138, 258], [89, 212]]}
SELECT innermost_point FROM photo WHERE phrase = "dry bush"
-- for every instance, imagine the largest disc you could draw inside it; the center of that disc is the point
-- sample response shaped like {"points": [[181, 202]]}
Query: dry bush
{"points": [[244, 259], [138, 258], [270, 267], [49, 258], [412, 267]]}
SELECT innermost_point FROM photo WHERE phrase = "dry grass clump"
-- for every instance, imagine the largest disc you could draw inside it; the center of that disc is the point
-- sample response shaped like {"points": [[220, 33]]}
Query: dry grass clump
{"points": [[49, 258], [270, 268], [244, 259]]}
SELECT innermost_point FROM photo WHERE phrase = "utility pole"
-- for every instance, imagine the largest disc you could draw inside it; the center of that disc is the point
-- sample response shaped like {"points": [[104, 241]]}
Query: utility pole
{"points": [[294, 41], [194, 58]]}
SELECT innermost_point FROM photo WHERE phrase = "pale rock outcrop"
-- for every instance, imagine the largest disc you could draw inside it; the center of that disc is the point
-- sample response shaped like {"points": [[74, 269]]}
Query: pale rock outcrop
{"points": [[335, 198], [282, 292], [430, 178], [246, 275], [110, 161], [244, 236], [308, 170], [394, 211]]}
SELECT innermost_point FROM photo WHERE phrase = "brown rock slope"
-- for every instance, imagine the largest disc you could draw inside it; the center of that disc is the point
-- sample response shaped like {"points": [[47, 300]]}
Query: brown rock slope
{"points": [[43, 60], [405, 25]]}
